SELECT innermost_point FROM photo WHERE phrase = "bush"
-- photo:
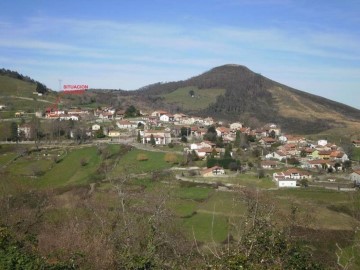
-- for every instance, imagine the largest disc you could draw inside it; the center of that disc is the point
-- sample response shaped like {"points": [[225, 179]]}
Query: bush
{"points": [[142, 157]]}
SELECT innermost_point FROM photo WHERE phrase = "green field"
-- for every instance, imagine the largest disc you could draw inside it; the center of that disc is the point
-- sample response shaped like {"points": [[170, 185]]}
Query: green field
{"points": [[201, 100], [203, 213], [131, 164]]}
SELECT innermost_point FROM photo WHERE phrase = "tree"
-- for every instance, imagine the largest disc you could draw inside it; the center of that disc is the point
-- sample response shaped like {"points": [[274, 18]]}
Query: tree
{"points": [[237, 142], [100, 133], [184, 131], [211, 134], [41, 88], [303, 153], [272, 134], [227, 153], [14, 136], [192, 93], [152, 140], [347, 165], [184, 139], [138, 139], [131, 111]]}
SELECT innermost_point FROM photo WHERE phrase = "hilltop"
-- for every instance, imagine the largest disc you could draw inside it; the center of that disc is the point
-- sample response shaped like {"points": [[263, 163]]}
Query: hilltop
{"points": [[234, 92]]}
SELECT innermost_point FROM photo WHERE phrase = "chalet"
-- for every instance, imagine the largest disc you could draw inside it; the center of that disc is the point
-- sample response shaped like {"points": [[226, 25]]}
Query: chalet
{"points": [[125, 124], [269, 164], [179, 116], [314, 164], [279, 155], [158, 113], [222, 131], [322, 142], [267, 141], [119, 114], [339, 156], [208, 121], [196, 146], [292, 174], [161, 137], [355, 177], [106, 116], [235, 126], [213, 171], [167, 118], [260, 133], [205, 152], [325, 154]]}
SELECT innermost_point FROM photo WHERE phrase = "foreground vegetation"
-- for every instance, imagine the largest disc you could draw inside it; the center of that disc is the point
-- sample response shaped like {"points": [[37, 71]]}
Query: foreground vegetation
{"points": [[107, 207]]}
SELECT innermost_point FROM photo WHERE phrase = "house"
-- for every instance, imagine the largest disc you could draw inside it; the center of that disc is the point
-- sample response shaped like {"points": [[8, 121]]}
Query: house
{"points": [[158, 113], [284, 183], [213, 171], [272, 128], [322, 142], [279, 155], [106, 116], [179, 116], [235, 126], [113, 133], [161, 137], [339, 156], [222, 131], [24, 131], [267, 141], [95, 127], [325, 154], [314, 164], [167, 118], [293, 173], [355, 177], [69, 117], [125, 124], [202, 145], [2, 107], [208, 121], [269, 164], [205, 152], [356, 143]]}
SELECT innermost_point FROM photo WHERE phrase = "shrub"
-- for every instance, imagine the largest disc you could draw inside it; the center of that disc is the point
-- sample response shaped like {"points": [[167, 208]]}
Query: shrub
{"points": [[142, 157]]}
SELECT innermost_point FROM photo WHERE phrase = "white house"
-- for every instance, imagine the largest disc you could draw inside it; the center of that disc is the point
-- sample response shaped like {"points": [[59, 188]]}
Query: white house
{"points": [[95, 127], [235, 126], [279, 155], [161, 137], [213, 171], [69, 117], [167, 118], [125, 124], [355, 176], [2, 107], [113, 133], [282, 183], [322, 142]]}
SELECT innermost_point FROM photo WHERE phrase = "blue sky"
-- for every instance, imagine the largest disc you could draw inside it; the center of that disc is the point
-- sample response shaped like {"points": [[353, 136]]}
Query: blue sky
{"points": [[313, 46]]}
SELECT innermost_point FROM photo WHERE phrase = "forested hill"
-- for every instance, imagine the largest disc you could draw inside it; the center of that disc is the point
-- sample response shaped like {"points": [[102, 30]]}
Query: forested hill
{"points": [[249, 95]]}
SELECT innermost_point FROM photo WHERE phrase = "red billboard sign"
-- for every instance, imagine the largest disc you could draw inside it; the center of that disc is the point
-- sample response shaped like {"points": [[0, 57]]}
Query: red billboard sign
{"points": [[75, 88]]}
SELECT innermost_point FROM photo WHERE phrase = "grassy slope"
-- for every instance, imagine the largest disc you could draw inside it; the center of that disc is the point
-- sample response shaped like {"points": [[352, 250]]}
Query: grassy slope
{"points": [[201, 100], [295, 106]]}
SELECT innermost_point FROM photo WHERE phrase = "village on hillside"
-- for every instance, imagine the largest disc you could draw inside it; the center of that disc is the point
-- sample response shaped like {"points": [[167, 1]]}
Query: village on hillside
{"points": [[226, 148]]}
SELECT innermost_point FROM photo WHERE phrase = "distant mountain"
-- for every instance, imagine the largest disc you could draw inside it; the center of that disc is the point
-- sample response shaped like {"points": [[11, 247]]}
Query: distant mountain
{"points": [[249, 96]]}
